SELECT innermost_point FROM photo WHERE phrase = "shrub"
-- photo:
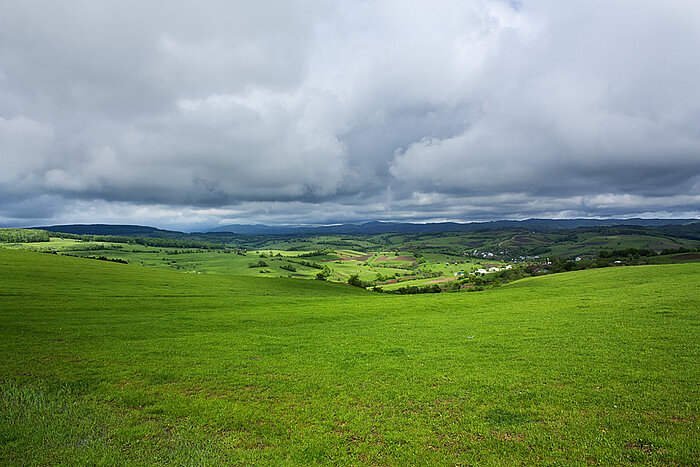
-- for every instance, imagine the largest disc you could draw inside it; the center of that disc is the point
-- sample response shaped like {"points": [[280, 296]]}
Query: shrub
{"points": [[355, 281], [412, 289], [323, 275]]}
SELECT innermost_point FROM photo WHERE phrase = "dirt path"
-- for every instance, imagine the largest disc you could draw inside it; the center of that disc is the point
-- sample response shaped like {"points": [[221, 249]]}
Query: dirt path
{"points": [[509, 240]]}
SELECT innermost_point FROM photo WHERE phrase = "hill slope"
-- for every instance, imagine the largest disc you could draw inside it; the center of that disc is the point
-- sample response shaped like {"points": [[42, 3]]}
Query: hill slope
{"points": [[113, 229], [111, 363]]}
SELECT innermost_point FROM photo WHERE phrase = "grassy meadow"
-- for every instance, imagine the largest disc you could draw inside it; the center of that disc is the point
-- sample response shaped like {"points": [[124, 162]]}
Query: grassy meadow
{"points": [[393, 262], [278, 263], [107, 363]]}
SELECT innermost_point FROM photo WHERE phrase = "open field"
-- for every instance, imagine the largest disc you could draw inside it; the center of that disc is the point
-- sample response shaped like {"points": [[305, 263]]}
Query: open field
{"points": [[111, 363], [371, 266], [394, 263], [505, 242]]}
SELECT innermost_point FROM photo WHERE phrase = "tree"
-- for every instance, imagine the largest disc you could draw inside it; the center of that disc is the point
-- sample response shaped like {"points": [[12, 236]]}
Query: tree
{"points": [[323, 275], [355, 281]]}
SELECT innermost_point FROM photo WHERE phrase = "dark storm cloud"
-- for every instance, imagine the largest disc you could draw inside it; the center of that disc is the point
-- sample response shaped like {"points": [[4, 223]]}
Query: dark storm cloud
{"points": [[304, 112]]}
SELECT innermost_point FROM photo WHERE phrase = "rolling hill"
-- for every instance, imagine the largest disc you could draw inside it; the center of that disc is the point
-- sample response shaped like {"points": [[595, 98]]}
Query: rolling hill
{"points": [[108, 363]]}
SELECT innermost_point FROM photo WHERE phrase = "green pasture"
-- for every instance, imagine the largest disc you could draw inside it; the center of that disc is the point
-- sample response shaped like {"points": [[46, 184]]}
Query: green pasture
{"points": [[421, 267], [677, 258], [114, 364], [427, 256], [216, 261], [180, 259]]}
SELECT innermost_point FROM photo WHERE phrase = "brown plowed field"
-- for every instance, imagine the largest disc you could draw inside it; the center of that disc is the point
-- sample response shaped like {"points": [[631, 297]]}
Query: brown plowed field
{"points": [[441, 280]]}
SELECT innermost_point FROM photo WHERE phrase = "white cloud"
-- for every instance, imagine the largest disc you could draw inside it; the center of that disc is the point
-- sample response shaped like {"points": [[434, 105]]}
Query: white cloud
{"points": [[26, 146], [350, 110]]}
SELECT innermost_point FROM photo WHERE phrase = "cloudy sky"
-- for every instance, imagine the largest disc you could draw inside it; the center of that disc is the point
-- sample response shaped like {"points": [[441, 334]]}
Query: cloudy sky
{"points": [[194, 114]]}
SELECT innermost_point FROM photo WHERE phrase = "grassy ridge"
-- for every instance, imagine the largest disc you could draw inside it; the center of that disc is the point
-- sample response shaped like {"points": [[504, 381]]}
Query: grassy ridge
{"points": [[110, 363]]}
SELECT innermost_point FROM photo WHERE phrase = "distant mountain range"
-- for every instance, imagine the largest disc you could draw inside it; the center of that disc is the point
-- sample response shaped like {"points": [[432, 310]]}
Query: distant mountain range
{"points": [[367, 228], [379, 227]]}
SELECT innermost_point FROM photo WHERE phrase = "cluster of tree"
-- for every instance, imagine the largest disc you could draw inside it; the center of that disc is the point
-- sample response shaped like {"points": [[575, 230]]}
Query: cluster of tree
{"points": [[311, 254], [689, 231], [382, 278], [288, 267], [355, 281], [154, 242], [626, 253], [307, 264], [420, 259], [99, 258], [259, 264], [413, 289], [323, 275], [23, 236], [113, 260], [239, 252], [671, 251], [616, 230]]}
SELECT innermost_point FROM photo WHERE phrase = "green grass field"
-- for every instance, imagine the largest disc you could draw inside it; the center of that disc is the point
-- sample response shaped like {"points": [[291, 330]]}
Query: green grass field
{"points": [[368, 266], [105, 363], [390, 261]]}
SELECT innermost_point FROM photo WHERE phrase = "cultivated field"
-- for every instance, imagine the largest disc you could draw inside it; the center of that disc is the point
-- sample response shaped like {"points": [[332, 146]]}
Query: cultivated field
{"points": [[108, 363], [378, 266], [393, 262]]}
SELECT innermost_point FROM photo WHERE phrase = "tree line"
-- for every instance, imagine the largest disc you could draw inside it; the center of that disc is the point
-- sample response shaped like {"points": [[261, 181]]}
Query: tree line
{"points": [[154, 242], [23, 236]]}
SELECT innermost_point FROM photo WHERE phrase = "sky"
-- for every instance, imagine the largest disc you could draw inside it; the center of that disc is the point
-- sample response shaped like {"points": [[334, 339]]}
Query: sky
{"points": [[190, 115]]}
